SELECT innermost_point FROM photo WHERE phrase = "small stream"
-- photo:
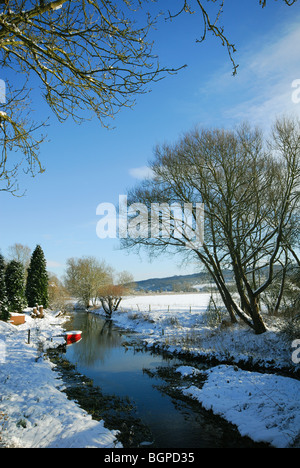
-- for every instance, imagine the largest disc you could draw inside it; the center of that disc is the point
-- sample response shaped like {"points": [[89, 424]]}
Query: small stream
{"points": [[136, 391]]}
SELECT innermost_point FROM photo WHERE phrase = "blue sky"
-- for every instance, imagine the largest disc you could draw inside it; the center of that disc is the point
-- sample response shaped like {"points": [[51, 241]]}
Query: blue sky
{"points": [[87, 164]]}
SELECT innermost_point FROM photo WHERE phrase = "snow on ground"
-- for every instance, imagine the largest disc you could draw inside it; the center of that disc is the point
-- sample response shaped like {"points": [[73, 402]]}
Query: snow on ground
{"points": [[34, 412], [264, 407], [179, 323], [165, 314]]}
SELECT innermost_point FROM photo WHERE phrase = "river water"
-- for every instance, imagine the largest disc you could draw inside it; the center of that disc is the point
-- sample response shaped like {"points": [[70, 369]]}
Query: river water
{"points": [[121, 369]]}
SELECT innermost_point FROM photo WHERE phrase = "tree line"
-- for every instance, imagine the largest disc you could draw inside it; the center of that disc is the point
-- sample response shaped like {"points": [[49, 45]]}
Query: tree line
{"points": [[91, 280], [20, 286], [24, 281]]}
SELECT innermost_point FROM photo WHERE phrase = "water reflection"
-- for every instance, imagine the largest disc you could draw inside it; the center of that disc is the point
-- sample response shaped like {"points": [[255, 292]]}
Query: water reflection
{"points": [[103, 348], [119, 370], [99, 338]]}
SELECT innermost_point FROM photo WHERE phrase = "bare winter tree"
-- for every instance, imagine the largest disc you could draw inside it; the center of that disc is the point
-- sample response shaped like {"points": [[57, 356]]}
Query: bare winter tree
{"points": [[89, 57], [111, 294], [251, 192], [21, 253], [59, 298]]}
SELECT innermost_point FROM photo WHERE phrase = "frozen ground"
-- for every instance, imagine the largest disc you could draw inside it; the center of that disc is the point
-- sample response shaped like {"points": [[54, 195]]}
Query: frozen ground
{"points": [[264, 407], [34, 412], [179, 323]]}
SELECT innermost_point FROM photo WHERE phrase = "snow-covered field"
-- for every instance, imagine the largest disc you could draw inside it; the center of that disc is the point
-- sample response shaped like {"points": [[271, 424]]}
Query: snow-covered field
{"points": [[34, 412]]}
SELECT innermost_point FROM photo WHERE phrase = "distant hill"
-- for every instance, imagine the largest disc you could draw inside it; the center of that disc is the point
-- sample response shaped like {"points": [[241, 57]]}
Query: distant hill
{"points": [[187, 283], [178, 283]]}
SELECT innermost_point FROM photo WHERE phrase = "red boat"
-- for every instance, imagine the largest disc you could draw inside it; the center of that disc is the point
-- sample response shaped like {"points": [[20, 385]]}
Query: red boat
{"points": [[72, 336]]}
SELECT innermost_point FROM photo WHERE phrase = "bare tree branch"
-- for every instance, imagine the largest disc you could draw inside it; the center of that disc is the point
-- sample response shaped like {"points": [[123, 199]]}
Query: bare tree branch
{"points": [[90, 57]]}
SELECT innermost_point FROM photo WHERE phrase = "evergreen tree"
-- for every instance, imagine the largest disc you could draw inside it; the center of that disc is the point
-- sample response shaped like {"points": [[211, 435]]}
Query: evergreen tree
{"points": [[15, 286], [4, 311], [37, 279]]}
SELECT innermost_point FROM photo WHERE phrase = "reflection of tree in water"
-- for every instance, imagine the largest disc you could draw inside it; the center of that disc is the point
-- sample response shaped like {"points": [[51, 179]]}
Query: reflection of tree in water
{"points": [[99, 336]]}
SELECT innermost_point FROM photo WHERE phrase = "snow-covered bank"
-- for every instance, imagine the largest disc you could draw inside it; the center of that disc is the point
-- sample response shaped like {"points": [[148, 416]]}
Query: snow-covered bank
{"points": [[34, 412], [264, 407], [179, 323]]}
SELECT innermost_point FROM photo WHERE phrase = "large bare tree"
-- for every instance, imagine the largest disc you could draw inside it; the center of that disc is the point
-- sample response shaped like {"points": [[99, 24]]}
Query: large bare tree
{"points": [[89, 57], [250, 190]]}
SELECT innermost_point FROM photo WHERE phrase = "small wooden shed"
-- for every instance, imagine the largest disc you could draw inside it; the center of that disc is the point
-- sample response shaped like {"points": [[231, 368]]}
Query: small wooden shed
{"points": [[17, 319]]}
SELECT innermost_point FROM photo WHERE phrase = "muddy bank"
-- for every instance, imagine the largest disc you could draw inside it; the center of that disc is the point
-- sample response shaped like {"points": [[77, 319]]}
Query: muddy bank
{"points": [[118, 413]]}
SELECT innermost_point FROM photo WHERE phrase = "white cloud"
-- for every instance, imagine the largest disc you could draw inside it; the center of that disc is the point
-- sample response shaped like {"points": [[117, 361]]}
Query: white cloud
{"points": [[262, 90], [141, 173], [279, 54], [54, 264], [271, 73]]}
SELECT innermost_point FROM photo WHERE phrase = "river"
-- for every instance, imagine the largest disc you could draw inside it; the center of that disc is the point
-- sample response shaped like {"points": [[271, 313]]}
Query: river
{"points": [[108, 356]]}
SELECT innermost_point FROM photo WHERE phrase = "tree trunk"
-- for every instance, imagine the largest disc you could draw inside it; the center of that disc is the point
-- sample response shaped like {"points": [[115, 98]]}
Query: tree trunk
{"points": [[258, 323], [249, 302], [106, 308]]}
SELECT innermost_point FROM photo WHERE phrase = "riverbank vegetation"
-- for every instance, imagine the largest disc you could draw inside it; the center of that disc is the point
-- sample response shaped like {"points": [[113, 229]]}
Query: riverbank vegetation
{"points": [[90, 280]]}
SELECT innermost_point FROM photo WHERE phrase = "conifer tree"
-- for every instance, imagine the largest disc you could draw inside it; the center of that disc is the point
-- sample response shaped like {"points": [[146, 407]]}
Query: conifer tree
{"points": [[37, 279], [15, 286], [4, 311]]}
